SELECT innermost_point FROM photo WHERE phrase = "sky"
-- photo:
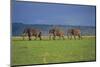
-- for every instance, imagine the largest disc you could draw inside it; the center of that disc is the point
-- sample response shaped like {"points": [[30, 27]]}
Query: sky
{"points": [[55, 14]]}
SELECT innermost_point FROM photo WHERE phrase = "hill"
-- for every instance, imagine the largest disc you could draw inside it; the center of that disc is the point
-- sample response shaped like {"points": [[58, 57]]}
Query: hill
{"points": [[17, 28]]}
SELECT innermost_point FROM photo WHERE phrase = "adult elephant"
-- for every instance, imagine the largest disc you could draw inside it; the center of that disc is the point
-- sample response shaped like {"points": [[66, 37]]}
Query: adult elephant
{"points": [[32, 32], [74, 32], [56, 32]]}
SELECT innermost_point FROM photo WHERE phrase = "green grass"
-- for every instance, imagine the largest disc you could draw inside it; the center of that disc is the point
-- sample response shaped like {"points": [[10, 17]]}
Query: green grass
{"points": [[52, 51]]}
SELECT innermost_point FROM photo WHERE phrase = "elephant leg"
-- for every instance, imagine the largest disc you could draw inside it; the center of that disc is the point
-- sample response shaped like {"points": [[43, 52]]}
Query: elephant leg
{"points": [[29, 37], [63, 37], [80, 37], [35, 37], [59, 37], [23, 36], [40, 37]]}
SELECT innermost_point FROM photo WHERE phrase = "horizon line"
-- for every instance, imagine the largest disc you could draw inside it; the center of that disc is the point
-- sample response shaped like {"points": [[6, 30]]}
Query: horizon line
{"points": [[55, 24]]}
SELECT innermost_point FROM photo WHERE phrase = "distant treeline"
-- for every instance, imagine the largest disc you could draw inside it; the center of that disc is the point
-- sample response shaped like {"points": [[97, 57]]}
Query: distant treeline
{"points": [[17, 28]]}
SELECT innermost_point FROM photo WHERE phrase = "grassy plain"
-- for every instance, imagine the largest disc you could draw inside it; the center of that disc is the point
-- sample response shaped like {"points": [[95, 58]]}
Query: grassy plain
{"points": [[52, 51]]}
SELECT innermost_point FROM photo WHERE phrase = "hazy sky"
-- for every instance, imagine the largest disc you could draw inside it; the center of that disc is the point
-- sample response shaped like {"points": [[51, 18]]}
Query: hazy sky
{"points": [[45, 13]]}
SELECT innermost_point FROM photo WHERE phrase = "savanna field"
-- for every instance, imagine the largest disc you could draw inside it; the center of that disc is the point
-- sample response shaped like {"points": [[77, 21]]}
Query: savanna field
{"points": [[52, 51]]}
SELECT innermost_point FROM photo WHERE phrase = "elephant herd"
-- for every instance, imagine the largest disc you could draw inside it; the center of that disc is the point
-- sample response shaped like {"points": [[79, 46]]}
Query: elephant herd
{"points": [[53, 33]]}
